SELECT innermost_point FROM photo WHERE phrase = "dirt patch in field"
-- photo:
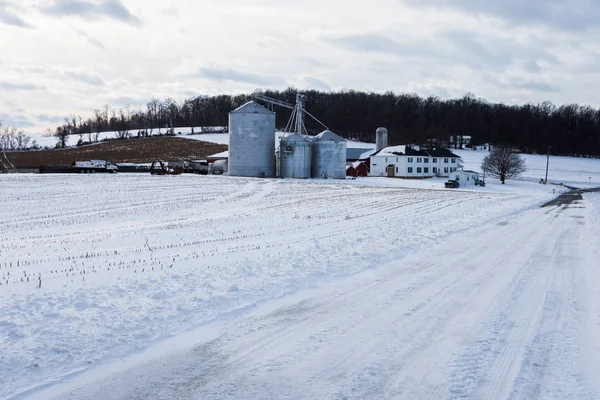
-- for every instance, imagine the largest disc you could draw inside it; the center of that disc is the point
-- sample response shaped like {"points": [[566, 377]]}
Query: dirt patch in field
{"points": [[141, 150]]}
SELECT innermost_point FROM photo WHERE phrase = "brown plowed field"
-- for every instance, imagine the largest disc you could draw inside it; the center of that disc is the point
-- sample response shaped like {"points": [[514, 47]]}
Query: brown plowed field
{"points": [[142, 150]]}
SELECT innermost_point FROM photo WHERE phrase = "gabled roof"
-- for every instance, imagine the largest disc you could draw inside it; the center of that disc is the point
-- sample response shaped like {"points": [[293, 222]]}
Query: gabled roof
{"points": [[393, 151], [367, 154], [441, 152], [328, 135], [356, 164], [409, 151], [251, 107]]}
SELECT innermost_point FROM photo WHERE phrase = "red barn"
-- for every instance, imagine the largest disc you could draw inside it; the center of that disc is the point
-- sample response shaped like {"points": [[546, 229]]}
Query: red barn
{"points": [[358, 168]]}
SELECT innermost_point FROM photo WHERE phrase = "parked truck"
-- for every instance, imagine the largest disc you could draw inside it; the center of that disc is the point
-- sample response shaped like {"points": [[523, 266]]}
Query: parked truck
{"points": [[93, 166]]}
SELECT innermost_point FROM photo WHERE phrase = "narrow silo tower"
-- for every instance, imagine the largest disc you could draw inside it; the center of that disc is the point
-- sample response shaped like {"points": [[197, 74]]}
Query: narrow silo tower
{"points": [[252, 141], [381, 139]]}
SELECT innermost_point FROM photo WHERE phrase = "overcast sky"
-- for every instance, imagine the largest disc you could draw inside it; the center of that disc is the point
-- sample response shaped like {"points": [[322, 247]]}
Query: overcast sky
{"points": [[59, 57]]}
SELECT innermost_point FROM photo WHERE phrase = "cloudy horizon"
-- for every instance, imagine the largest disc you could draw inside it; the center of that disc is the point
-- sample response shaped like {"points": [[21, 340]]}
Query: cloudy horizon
{"points": [[63, 57]]}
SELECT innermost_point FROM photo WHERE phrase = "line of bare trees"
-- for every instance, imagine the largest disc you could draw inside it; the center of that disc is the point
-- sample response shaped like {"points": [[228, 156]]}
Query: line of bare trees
{"points": [[12, 139], [568, 129]]}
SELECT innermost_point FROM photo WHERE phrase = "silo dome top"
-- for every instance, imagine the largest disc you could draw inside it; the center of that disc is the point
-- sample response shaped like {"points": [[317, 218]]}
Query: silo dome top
{"points": [[251, 107], [328, 135], [381, 130], [294, 137]]}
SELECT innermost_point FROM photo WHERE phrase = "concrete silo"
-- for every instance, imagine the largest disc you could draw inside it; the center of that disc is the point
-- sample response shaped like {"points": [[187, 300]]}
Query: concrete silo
{"points": [[381, 139], [252, 141], [294, 157], [328, 156]]}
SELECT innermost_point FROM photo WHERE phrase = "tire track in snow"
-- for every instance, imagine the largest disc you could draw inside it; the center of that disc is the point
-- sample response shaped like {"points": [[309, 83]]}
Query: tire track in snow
{"points": [[491, 363]]}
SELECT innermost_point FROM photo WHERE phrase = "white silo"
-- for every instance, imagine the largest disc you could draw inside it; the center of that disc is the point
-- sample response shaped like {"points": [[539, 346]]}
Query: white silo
{"points": [[252, 141], [294, 157], [381, 139], [329, 156]]}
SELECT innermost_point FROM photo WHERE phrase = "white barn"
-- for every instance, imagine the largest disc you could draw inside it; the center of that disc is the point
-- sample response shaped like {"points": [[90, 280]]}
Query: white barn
{"points": [[465, 178], [412, 162]]}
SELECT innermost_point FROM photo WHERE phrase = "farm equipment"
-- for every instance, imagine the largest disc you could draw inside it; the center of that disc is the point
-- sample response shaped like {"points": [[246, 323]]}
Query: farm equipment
{"points": [[94, 166], [160, 168], [479, 182]]}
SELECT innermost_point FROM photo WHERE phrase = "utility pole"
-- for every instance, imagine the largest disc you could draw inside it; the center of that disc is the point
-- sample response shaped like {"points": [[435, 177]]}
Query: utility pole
{"points": [[547, 165]]}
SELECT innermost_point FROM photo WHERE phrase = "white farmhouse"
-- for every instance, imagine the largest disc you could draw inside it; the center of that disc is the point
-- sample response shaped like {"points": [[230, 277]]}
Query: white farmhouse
{"points": [[412, 162]]}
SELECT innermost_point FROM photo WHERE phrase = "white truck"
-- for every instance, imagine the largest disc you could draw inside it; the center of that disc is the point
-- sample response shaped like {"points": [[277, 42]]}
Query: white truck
{"points": [[93, 166]]}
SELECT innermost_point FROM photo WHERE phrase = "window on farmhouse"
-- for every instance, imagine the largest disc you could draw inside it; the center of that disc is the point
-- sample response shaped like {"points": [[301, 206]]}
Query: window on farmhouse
{"points": [[410, 170], [410, 159], [419, 170], [434, 170], [419, 160], [434, 161], [426, 170], [445, 161], [396, 169], [454, 161], [396, 159], [386, 159], [446, 170], [426, 160]]}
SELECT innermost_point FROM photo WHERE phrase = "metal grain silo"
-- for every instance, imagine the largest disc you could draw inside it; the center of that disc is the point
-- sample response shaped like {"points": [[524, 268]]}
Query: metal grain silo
{"points": [[294, 156], [252, 141], [328, 156], [381, 139]]}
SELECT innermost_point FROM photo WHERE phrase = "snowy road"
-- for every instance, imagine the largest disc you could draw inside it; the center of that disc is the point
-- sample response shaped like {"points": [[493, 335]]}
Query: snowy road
{"points": [[507, 311]]}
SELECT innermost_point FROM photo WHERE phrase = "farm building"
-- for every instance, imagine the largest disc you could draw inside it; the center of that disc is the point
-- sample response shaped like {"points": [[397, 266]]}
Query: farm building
{"points": [[413, 162], [460, 141], [356, 169], [465, 178]]}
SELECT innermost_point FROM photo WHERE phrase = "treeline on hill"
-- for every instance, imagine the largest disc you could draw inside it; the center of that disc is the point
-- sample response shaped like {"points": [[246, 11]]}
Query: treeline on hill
{"points": [[571, 129], [12, 138]]}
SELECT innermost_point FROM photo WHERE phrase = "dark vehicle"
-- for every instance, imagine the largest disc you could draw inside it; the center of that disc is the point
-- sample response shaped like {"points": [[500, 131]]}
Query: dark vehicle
{"points": [[479, 182], [451, 184]]}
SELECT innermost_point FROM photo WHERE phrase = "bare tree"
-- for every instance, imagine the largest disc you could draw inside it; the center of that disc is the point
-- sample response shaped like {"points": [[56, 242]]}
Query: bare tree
{"points": [[503, 163]]}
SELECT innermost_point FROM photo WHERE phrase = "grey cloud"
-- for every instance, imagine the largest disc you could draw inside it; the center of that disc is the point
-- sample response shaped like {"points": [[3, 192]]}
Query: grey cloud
{"points": [[55, 119], [17, 121], [315, 83], [370, 43], [536, 87], [489, 51], [18, 86], [475, 51], [573, 15], [128, 101], [91, 9], [91, 39], [240, 77], [9, 15], [89, 78]]}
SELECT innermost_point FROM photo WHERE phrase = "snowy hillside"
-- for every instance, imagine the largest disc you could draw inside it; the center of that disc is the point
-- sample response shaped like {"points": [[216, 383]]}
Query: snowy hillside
{"points": [[219, 138], [568, 170]]}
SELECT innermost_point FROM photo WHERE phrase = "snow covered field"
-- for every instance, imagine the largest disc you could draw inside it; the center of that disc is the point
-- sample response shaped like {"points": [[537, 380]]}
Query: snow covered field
{"points": [[128, 261]]}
